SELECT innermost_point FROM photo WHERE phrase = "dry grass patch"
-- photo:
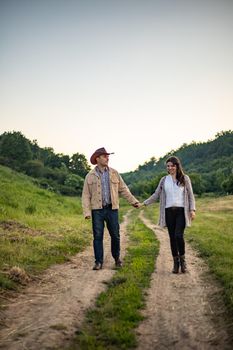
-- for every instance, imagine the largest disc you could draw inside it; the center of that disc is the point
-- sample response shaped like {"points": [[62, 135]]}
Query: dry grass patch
{"points": [[18, 275]]}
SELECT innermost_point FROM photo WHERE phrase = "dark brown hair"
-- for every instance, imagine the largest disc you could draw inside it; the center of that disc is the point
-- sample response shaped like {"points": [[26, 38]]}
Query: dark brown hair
{"points": [[179, 170]]}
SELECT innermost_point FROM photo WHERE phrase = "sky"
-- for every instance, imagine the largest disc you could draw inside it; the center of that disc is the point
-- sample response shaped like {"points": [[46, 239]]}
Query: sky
{"points": [[138, 77]]}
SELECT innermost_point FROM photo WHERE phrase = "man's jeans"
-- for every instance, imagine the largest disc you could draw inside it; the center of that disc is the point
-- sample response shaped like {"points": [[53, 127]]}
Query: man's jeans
{"points": [[99, 217]]}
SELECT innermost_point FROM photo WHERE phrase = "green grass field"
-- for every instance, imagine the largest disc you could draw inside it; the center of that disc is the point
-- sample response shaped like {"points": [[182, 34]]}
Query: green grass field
{"points": [[37, 227], [212, 235]]}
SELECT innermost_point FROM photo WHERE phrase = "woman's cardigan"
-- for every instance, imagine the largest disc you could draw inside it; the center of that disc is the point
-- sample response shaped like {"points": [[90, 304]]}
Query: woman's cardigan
{"points": [[189, 200]]}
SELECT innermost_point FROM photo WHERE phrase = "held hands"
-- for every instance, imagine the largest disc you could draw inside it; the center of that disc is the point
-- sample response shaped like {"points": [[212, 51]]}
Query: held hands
{"points": [[192, 214], [138, 205]]}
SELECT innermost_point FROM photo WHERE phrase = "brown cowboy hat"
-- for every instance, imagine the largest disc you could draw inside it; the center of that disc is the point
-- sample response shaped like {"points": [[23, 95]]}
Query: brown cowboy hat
{"points": [[97, 153]]}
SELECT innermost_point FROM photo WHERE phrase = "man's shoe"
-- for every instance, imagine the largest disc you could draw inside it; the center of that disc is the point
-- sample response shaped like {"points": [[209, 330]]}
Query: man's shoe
{"points": [[118, 263], [97, 266]]}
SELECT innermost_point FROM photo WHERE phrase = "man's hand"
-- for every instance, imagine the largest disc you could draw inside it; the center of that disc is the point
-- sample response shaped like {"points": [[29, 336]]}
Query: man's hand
{"points": [[138, 205], [87, 217], [192, 214], [135, 205]]}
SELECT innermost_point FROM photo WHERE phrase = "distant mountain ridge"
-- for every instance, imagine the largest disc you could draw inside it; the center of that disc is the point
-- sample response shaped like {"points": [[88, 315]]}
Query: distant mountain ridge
{"points": [[210, 164]]}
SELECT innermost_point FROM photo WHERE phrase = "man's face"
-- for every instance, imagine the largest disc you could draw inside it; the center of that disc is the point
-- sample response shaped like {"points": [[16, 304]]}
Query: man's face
{"points": [[103, 160]]}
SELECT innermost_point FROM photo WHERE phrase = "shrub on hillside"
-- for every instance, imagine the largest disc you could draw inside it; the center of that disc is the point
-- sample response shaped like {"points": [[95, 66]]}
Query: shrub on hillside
{"points": [[67, 190], [34, 168], [74, 181], [227, 184], [57, 175]]}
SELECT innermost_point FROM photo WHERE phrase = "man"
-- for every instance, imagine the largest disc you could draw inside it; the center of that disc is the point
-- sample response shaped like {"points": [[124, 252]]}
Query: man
{"points": [[100, 200]]}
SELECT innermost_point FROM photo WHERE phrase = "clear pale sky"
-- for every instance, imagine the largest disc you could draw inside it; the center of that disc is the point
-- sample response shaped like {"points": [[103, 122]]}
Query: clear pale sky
{"points": [[139, 77]]}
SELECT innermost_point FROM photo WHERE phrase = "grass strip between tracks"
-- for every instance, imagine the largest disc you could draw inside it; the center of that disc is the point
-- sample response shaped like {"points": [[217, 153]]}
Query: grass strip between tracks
{"points": [[111, 323]]}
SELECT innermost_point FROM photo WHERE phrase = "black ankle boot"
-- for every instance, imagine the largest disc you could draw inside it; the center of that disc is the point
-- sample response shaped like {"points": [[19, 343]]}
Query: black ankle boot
{"points": [[176, 264], [183, 265]]}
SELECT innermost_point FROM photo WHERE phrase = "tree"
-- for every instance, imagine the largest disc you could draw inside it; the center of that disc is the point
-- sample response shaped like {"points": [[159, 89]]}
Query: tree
{"points": [[198, 183], [65, 160], [35, 148], [15, 149], [227, 184], [79, 164], [51, 159], [45, 153], [148, 165]]}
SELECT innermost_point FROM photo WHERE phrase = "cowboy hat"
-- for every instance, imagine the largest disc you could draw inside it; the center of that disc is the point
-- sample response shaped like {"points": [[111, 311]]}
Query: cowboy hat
{"points": [[97, 153]]}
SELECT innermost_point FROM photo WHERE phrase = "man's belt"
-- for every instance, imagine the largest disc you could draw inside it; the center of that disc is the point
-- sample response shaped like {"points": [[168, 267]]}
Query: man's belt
{"points": [[107, 206]]}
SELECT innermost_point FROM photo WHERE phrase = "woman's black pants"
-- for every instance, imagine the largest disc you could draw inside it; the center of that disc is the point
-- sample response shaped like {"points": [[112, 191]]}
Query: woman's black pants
{"points": [[175, 221]]}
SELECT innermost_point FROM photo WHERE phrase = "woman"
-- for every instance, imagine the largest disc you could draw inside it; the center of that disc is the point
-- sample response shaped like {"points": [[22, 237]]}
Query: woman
{"points": [[177, 208]]}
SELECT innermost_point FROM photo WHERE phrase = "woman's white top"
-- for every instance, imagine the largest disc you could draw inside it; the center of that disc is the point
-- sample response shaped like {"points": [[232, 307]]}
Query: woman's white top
{"points": [[174, 193]]}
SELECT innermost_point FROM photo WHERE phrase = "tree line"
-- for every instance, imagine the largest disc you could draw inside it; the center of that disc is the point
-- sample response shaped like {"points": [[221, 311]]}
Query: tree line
{"points": [[54, 171], [209, 165]]}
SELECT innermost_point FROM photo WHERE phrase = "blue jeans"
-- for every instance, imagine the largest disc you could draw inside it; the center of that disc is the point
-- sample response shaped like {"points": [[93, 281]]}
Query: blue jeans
{"points": [[99, 217]]}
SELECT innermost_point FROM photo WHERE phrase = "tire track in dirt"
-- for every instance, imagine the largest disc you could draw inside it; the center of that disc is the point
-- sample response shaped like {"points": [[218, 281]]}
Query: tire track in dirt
{"points": [[47, 314], [182, 311]]}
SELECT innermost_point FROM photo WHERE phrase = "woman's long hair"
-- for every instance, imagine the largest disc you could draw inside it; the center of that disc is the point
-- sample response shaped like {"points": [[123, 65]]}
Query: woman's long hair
{"points": [[179, 170]]}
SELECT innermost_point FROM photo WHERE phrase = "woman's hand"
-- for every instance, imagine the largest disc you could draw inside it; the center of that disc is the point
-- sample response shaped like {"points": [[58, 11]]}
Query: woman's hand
{"points": [[140, 205], [192, 214], [137, 205]]}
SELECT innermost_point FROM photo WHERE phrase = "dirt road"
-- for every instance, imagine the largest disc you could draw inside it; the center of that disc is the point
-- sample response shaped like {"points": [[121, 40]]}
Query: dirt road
{"points": [[181, 311], [48, 313]]}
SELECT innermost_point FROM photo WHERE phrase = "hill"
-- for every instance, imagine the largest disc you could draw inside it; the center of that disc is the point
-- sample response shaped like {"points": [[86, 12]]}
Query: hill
{"points": [[58, 172], [37, 227], [209, 164]]}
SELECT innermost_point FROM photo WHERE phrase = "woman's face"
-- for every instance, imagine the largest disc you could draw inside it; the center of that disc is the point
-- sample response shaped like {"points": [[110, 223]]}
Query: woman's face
{"points": [[171, 168]]}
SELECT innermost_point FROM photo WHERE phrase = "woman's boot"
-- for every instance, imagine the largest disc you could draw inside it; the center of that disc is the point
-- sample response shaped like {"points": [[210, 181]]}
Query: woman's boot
{"points": [[183, 265], [176, 264]]}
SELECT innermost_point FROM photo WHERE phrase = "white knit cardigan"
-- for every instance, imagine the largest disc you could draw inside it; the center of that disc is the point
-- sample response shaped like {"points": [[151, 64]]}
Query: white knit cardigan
{"points": [[189, 200]]}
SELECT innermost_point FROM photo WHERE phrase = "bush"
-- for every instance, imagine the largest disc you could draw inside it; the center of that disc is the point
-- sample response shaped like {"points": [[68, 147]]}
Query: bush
{"points": [[46, 184], [75, 181], [34, 168], [57, 175], [67, 190], [227, 184]]}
